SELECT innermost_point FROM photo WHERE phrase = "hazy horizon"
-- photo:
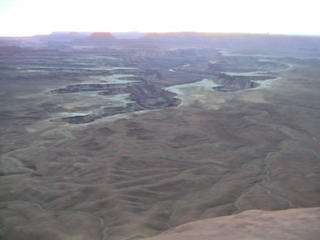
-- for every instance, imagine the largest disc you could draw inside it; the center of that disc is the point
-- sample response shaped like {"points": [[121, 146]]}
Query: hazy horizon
{"points": [[149, 32], [34, 17]]}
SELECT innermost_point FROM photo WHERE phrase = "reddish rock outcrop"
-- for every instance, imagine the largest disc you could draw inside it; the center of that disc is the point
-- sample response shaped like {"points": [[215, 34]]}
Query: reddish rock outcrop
{"points": [[293, 224]]}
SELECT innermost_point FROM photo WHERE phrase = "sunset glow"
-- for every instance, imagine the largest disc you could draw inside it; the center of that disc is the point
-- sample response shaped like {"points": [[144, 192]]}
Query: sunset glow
{"points": [[29, 17]]}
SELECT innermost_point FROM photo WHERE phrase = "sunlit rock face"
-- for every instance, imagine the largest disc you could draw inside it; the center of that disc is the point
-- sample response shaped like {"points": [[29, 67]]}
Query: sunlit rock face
{"points": [[101, 35]]}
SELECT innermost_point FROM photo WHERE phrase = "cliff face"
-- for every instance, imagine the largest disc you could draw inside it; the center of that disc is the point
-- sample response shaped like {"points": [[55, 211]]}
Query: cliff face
{"points": [[96, 38], [293, 224]]}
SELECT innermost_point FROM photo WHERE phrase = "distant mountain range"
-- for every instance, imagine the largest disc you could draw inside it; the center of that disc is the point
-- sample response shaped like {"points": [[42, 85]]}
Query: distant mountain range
{"points": [[176, 39]]}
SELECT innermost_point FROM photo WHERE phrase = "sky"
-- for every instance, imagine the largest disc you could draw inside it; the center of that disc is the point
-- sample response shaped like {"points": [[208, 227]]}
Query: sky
{"points": [[30, 17]]}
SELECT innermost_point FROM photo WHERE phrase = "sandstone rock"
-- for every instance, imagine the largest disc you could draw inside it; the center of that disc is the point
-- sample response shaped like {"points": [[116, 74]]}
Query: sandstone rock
{"points": [[293, 224]]}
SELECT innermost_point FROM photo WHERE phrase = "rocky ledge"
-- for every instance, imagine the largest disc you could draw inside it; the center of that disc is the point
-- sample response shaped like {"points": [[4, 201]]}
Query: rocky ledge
{"points": [[141, 96], [293, 224]]}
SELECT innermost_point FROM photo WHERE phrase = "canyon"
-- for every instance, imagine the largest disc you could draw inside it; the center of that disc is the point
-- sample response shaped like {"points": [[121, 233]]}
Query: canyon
{"points": [[123, 139]]}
